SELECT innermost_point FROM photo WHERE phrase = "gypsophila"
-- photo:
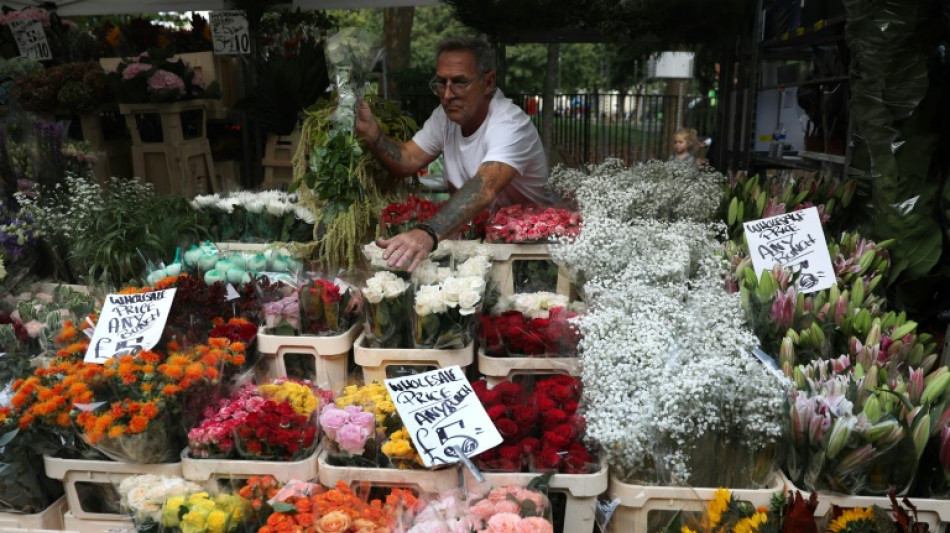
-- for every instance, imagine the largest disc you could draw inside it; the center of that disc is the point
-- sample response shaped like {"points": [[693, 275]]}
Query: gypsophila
{"points": [[664, 190]]}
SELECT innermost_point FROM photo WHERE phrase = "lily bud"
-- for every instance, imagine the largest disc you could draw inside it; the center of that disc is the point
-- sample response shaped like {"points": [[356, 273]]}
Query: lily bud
{"points": [[786, 352], [800, 380], [921, 434], [945, 448], [872, 408], [839, 435], [915, 386], [935, 389], [854, 459], [874, 336]]}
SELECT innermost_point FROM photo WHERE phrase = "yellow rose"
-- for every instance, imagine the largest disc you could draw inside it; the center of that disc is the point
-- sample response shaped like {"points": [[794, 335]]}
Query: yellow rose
{"points": [[385, 407], [397, 448], [335, 522], [193, 521], [217, 521], [171, 510], [343, 401]]}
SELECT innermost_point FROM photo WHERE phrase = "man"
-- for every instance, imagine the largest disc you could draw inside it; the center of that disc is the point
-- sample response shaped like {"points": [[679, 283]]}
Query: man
{"points": [[493, 154]]}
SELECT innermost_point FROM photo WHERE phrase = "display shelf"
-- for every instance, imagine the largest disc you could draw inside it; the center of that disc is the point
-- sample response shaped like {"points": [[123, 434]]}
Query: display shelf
{"points": [[330, 356], [819, 156], [638, 501], [200, 470]]}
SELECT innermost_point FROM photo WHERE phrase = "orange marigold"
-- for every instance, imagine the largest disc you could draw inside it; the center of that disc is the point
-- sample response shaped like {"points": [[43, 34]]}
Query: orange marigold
{"points": [[150, 409], [138, 424], [116, 431], [171, 390], [218, 342]]}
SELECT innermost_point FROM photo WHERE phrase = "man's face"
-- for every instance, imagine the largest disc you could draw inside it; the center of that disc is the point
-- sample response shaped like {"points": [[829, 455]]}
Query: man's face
{"points": [[466, 106]]}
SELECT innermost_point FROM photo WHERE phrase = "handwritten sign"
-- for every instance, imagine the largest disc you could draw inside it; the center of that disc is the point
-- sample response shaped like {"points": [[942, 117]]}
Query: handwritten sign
{"points": [[129, 323], [30, 39], [797, 242], [229, 33], [441, 411]]}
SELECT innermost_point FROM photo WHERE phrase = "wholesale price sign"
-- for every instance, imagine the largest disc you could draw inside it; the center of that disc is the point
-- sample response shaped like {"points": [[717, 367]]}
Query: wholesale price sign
{"points": [[229, 33], [796, 241], [129, 323], [30, 39], [442, 414]]}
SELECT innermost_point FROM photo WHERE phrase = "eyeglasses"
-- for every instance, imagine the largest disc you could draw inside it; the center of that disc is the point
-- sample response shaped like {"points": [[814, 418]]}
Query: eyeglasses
{"points": [[458, 88]]}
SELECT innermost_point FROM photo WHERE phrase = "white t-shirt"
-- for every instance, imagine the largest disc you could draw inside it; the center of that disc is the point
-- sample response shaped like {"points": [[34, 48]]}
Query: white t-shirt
{"points": [[506, 136]]}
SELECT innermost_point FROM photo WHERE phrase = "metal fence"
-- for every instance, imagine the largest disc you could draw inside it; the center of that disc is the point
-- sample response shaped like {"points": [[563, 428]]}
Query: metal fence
{"points": [[589, 127]]}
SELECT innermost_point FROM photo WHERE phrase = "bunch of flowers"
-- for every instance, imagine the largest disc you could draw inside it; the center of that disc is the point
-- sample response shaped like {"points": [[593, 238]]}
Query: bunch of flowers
{"points": [[24, 486], [282, 317], [531, 324], [399, 217], [143, 496], [659, 190], [72, 88], [400, 450], [10, 70], [519, 224], [262, 216], [130, 407], [276, 431], [447, 512], [214, 436], [199, 512], [542, 429], [309, 508], [157, 76], [444, 315], [325, 307], [348, 428], [511, 508], [387, 309], [258, 491]]}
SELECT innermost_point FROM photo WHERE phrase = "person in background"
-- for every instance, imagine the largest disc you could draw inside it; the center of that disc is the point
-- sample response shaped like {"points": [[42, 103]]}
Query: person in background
{"points": [[493, 154], [685, 144]]}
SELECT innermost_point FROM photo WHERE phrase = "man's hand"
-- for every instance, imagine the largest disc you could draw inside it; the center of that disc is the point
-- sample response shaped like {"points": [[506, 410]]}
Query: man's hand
{"points": [[409, 248], [366, 125]]}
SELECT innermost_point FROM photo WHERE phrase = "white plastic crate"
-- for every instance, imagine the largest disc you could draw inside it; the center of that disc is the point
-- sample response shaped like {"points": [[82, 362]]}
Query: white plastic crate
{"points": [[638, 501], [200, 470], [504, 257], [498, 369], [581, 491], [117, 525], [110, 473], [331, 355], [49, 518], [427, 481], [375, 360]]}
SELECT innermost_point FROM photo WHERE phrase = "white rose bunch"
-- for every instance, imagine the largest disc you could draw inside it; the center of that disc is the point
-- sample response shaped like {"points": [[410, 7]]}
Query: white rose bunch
{"points": [[144, 495]]}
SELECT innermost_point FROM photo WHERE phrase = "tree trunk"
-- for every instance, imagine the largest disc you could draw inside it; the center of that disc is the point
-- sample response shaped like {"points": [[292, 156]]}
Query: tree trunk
{"points": [[397, 38], [547, 105], [673, 113]]}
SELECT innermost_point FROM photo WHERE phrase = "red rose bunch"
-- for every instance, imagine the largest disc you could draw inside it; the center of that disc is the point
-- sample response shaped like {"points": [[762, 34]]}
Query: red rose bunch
{"points": [[235, 330], [513, 334], [541, 427], [398, 217], [517, 223], [276, 431], [323, 308]]}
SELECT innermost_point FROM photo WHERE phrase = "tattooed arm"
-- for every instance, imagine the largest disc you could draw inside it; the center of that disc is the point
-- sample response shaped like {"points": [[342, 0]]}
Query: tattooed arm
{"points": [[475, 195], [401, 159]]}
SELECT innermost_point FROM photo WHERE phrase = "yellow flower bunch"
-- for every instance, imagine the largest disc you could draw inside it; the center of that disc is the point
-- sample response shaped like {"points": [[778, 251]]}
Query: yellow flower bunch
{"points": [[717, 507], [373, 397], [852, 520], [300, 396], [400, 450], [752, 524], [220, 514]]}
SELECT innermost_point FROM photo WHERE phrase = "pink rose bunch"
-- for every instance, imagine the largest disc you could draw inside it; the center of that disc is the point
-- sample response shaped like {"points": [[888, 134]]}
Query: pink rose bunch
{"points": [[517, 223], [214, 437], [286, 310], [447, 513], [349, 428], [510, 510]]}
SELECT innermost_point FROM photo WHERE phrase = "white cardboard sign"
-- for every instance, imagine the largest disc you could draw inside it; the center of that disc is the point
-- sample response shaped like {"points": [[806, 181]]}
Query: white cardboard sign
{"points": [[796, 241], [441, 411], [229, 33], [30, 39], [129, 323]]}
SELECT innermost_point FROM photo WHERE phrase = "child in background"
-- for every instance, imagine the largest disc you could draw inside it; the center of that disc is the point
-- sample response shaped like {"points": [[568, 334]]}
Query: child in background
{"points": [[684, 143]]}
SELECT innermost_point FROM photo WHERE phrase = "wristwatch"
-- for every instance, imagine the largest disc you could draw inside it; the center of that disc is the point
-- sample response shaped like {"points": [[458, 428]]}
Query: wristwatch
{"points": [[435, 236]]}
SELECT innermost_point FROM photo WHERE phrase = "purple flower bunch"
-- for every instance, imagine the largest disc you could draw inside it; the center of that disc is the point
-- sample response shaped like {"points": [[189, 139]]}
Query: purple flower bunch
{"points": [[349, 427]]}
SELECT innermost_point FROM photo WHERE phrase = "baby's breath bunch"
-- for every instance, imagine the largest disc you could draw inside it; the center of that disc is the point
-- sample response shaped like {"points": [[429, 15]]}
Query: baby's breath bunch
{"points": [[665, 190]]}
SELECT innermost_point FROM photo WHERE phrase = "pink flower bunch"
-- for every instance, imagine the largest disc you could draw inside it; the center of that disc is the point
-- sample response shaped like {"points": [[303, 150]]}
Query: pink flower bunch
{"points": [[349, 428], [517, 223], [134, 69], [165, 81], [448, 513], [510, 510], [214, 437], [286, 309]]}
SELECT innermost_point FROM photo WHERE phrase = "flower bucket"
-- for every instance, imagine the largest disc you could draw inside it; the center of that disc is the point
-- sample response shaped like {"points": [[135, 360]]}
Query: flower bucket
{"points": [[330, 356], [498, 369], [504, 257]]}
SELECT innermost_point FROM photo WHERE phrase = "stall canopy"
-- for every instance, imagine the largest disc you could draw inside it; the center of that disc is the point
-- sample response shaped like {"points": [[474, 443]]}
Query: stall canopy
{"points": [[68, 8]]}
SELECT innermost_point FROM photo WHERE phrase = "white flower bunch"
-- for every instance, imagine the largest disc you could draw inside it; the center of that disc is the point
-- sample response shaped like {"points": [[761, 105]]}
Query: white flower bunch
{"points": [[665, 190], [273, 202], [429, 273], [144, 495], [429, 300], [530, 304], [475, 265], [464, 293], [384, 285], [464, 250]]}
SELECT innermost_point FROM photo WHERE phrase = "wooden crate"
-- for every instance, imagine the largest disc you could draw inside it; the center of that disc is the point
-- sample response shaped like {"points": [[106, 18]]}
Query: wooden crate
{"points": [[277, 162], [185, 169]]}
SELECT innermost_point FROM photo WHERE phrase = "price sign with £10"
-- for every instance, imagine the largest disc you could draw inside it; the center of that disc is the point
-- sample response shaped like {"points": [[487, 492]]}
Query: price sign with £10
{"points": [[229, 33], [30, 39]]}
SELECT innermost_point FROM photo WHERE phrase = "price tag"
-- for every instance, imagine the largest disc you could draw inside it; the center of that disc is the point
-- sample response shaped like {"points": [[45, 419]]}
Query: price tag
{"points": [[231, 293], [796, 241], [229, 33], [129, 323], [30, 39]]}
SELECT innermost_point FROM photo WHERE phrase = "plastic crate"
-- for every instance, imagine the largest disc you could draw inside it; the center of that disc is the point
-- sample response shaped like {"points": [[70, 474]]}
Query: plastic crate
{"points": [[49, 518], [185, 169], [498, 369], [504, 257], [638, 501], [278, 160], [375, 360], [427, 481], [80, 525], [200, 470], [110, 473], [581, 491], [331, 355]]}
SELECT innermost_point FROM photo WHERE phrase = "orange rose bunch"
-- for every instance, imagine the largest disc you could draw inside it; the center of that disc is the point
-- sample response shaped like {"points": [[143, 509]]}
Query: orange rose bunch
{"points": [[308, 508]]}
